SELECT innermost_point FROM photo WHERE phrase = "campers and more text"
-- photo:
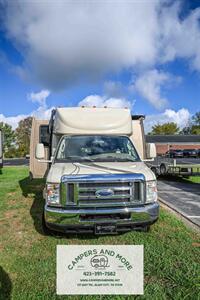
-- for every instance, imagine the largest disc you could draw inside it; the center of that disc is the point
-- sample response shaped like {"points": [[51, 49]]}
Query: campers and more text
{"points": [[110, 253]]}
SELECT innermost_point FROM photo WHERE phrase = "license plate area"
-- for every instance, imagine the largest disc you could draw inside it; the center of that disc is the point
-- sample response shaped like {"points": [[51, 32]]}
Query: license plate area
{"points": [[101, 229]]}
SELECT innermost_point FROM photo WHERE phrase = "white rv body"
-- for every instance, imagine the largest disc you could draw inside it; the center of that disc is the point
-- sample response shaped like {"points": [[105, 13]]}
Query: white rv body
{"points": [[64, 176], [86, 120]]}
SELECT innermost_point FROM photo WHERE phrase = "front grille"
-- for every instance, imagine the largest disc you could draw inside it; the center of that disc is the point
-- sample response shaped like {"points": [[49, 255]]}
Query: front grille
{"points": [[102, 184], [119, 190], [124, 193]]}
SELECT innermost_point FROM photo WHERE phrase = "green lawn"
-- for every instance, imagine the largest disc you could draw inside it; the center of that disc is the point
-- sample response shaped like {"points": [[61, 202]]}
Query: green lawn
{"points": [[194, 179], [28, 261]]}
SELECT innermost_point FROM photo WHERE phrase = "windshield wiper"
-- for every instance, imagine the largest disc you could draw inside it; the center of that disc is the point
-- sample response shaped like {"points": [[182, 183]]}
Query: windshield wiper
{"points": [[115, 158], [127, 159], [79, 158]]}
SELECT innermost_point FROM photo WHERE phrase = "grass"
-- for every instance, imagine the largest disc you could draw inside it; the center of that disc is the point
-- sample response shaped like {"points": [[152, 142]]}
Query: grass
{"points": [[193, 179], [28, 261]]}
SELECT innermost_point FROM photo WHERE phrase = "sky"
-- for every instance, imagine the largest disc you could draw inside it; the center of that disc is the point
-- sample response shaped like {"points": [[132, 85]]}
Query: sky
{"points": [[144, 55]]}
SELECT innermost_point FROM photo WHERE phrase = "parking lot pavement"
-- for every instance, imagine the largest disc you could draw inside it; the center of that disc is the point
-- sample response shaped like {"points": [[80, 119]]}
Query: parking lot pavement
{"points": [[16, 162], [184, 197]]}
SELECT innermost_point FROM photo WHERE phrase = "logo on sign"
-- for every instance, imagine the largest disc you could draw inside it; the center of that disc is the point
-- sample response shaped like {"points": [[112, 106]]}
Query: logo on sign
{"points": [[99, 261]]}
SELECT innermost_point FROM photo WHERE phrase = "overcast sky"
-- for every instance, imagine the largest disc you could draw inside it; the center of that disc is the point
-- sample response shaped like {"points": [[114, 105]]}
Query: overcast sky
{"points": [[140, 54]]}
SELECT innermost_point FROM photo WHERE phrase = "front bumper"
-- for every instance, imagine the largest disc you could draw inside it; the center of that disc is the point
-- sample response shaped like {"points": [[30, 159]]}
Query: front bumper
{"points": [[85, 220]]}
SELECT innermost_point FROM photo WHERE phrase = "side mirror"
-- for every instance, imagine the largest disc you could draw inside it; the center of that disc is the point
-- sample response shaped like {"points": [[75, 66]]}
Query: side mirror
{"points": [[39, 151], [151, 150]]}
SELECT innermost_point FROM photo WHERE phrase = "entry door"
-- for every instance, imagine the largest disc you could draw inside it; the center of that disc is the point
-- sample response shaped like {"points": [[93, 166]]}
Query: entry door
{"points": [[39, 134]]}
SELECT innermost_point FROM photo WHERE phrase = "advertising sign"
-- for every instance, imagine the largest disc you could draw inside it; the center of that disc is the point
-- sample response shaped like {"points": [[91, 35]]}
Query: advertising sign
{"points": [[99, 270]]}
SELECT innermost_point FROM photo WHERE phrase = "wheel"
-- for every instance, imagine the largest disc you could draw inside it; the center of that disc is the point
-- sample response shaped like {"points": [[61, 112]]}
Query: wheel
{"points": [[163, 169]]}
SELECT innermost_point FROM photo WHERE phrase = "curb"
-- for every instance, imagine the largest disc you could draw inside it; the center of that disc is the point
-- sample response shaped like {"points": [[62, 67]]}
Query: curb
{"points": [[181, 215]]}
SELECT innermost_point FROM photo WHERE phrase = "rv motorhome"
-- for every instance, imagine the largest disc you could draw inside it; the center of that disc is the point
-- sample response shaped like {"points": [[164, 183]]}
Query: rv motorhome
{"points": [[1, 149], [96, 178]]}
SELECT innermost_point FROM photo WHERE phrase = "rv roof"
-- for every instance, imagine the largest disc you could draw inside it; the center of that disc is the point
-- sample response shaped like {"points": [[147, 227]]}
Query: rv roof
{"points": [[88, 120]]}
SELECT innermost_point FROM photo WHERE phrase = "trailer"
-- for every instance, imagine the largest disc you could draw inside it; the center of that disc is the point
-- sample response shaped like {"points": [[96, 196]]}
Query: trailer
{"points": [[171, 159], [166, 166], [160, 165], [184, 170]]}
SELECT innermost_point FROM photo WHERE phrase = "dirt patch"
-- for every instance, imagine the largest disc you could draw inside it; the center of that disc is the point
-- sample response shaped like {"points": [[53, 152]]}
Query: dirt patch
{"points": [[11, 194], [1, 247], [196, 244], [10, 214], [15, 224], [149, 279]]}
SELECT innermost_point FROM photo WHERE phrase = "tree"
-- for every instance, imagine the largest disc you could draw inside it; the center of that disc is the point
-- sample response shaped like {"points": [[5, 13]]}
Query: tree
{"points": [[194, 127], [23, 133], [196, 118], [8, 136], [186, 130], [164, 129]]}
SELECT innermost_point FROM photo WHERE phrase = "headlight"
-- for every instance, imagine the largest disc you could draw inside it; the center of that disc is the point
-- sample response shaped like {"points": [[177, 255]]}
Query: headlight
{"points": [[53, 194], [151, 190]]}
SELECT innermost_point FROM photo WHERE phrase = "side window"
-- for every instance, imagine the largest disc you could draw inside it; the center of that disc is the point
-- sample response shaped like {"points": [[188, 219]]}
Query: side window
{"points": [[44, 135], [131, 150]]}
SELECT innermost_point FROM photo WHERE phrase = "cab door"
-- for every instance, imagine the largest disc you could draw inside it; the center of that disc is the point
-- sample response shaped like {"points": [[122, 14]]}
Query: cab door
{"points": [[39, 134]]}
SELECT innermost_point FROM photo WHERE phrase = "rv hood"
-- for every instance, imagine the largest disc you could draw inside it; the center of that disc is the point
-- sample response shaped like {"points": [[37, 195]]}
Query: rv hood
{"points": [[85, 168]]}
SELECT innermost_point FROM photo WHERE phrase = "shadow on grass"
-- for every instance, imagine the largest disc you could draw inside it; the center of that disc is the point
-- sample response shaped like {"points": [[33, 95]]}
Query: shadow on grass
{"points": [[34, 189], [5, 285]]}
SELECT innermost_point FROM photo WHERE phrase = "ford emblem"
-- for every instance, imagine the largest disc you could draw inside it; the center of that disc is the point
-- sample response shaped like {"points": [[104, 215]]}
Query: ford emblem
{"points": [[104, 193]]}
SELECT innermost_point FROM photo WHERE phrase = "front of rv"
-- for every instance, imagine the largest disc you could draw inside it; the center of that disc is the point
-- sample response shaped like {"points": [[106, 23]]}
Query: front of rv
{"points": [[97, 181]]}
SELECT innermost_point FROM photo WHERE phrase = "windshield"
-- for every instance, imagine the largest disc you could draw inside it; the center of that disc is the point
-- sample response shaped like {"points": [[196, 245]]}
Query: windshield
{"points": [[96, 148]]}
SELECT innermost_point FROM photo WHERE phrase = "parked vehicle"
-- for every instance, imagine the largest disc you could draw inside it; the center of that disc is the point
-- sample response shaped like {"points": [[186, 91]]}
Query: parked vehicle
{"points": [[1, 149], [96, 179], [190, 153], [174, 153]]}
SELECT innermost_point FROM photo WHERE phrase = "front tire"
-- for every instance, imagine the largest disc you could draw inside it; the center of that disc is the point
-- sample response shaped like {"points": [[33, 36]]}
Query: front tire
{"points": [[163, 169]]}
